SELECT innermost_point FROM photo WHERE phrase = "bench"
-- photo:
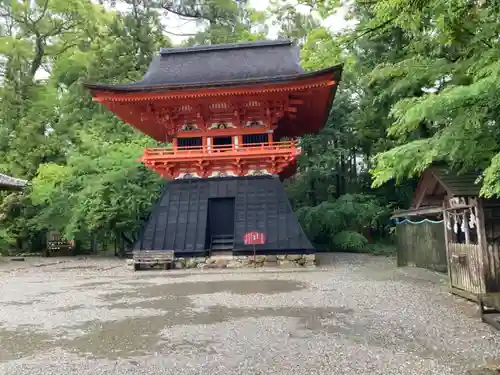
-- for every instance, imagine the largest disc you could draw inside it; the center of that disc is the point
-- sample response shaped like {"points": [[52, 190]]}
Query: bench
{"points": [[152, 258], [489, 305]]}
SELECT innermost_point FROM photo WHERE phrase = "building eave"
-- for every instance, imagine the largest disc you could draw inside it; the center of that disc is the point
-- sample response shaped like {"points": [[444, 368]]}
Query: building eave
{"points": [[335, 71], [431, 210]]}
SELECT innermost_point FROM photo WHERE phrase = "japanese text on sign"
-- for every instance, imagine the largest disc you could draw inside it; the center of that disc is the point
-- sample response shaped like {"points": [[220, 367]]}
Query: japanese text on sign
{"points": [[254, 238]]}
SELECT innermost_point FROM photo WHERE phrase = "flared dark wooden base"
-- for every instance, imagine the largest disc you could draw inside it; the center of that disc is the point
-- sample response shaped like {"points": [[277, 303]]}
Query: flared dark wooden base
{"points": [[194, 216]]}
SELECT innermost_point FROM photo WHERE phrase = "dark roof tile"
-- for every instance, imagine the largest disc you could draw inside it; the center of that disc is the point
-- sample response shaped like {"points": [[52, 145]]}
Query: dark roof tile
{"points": [[201, 66], [463, 184]]}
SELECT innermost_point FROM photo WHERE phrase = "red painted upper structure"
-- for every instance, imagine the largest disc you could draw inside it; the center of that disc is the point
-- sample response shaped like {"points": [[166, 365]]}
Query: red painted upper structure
{"points": [[190, 74], [235, 90]]}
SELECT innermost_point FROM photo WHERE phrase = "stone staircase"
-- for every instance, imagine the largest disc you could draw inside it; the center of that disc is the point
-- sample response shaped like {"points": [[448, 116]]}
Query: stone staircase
{"points": [[222, 246]]}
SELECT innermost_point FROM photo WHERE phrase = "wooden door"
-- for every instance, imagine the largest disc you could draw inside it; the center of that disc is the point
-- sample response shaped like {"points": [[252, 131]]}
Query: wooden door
{"points": [[220, 225], [221, 216], [465, 267]]}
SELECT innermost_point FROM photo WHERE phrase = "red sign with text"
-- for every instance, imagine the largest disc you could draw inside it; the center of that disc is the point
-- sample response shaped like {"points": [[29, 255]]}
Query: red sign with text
{"points": [[254, 238]]}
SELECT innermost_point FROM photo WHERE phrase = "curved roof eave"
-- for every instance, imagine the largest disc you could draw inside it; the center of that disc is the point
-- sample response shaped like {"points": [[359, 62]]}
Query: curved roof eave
{"points": [[137, 87]]}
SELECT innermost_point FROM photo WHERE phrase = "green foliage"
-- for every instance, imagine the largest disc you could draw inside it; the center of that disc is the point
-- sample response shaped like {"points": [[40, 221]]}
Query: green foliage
{"points": [[348, 240], [423, 81], [86, 182], [420, 85], [342, 224], [443, 89], [6, 241], [335, 164], [104, 190]]}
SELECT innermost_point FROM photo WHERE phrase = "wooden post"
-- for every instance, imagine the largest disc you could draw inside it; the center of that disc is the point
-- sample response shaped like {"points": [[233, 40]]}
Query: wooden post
{"points": [[465, 224], [446, 221], [482, 243], [270, 138]]}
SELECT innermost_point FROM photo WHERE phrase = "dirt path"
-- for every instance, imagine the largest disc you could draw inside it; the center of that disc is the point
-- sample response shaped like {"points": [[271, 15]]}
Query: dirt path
{"points": [[358, 315]]}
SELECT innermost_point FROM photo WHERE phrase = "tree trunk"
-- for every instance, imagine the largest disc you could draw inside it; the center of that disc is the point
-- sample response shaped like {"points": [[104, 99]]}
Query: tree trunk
{"points": [[312, 192], [342, 175], [94, 243]]}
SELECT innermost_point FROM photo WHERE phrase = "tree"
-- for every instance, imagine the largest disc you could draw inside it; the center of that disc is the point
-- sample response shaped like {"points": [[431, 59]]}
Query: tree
{"points": [[335, 163], [452, 64], [33, 37], [87, 184], [52, 131], [103, 191], [222, 21]]}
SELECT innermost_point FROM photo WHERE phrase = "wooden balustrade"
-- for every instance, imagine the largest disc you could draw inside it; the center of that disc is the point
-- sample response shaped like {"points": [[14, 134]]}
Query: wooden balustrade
{"points": [[207, 150]]}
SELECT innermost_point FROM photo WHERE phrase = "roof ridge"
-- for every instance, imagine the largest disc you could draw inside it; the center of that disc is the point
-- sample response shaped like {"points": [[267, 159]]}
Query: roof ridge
{"points": [[224, 47]]}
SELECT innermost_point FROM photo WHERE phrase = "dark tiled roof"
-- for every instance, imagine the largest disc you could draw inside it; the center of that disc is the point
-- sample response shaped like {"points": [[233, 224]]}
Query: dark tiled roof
{"points": [[228, 64], [7, 182], [463, 184]]}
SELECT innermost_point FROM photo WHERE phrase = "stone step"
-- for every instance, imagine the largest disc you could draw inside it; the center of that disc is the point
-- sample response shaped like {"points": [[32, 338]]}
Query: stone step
{"points": [[221, 255], [222, 247], [223, 241]]}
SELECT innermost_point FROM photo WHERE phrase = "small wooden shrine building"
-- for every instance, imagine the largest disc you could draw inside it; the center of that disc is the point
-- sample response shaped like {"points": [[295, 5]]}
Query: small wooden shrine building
{"points": [[470, 225], [227, 118]]}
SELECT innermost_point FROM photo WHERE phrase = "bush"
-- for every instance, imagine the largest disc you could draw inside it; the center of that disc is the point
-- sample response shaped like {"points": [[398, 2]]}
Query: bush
{"points": [[6, 241], [344, 223], [348, 240]]}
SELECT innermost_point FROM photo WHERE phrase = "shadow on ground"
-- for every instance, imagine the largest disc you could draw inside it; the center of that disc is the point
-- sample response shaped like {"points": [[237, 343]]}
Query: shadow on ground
{"points": [[141, 336]]}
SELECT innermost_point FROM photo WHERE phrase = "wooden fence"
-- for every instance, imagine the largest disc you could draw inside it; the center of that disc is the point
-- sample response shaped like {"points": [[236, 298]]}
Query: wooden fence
{"points": [[421, 245], [465, 268], [492, 280]]}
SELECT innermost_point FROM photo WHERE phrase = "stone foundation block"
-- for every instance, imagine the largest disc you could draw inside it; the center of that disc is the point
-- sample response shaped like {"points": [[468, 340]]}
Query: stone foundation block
{"points": [[259, 259], [244, 261], [214, 265], [271, 258], [180, 263], [310, 258]]}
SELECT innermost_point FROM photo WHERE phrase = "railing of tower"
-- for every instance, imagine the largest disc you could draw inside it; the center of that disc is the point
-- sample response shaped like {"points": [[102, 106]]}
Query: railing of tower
{"points": [[278, 147]]}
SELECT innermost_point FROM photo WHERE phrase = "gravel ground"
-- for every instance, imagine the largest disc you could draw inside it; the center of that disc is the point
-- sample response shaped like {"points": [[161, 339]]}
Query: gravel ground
{"points": [[358, 315]]}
